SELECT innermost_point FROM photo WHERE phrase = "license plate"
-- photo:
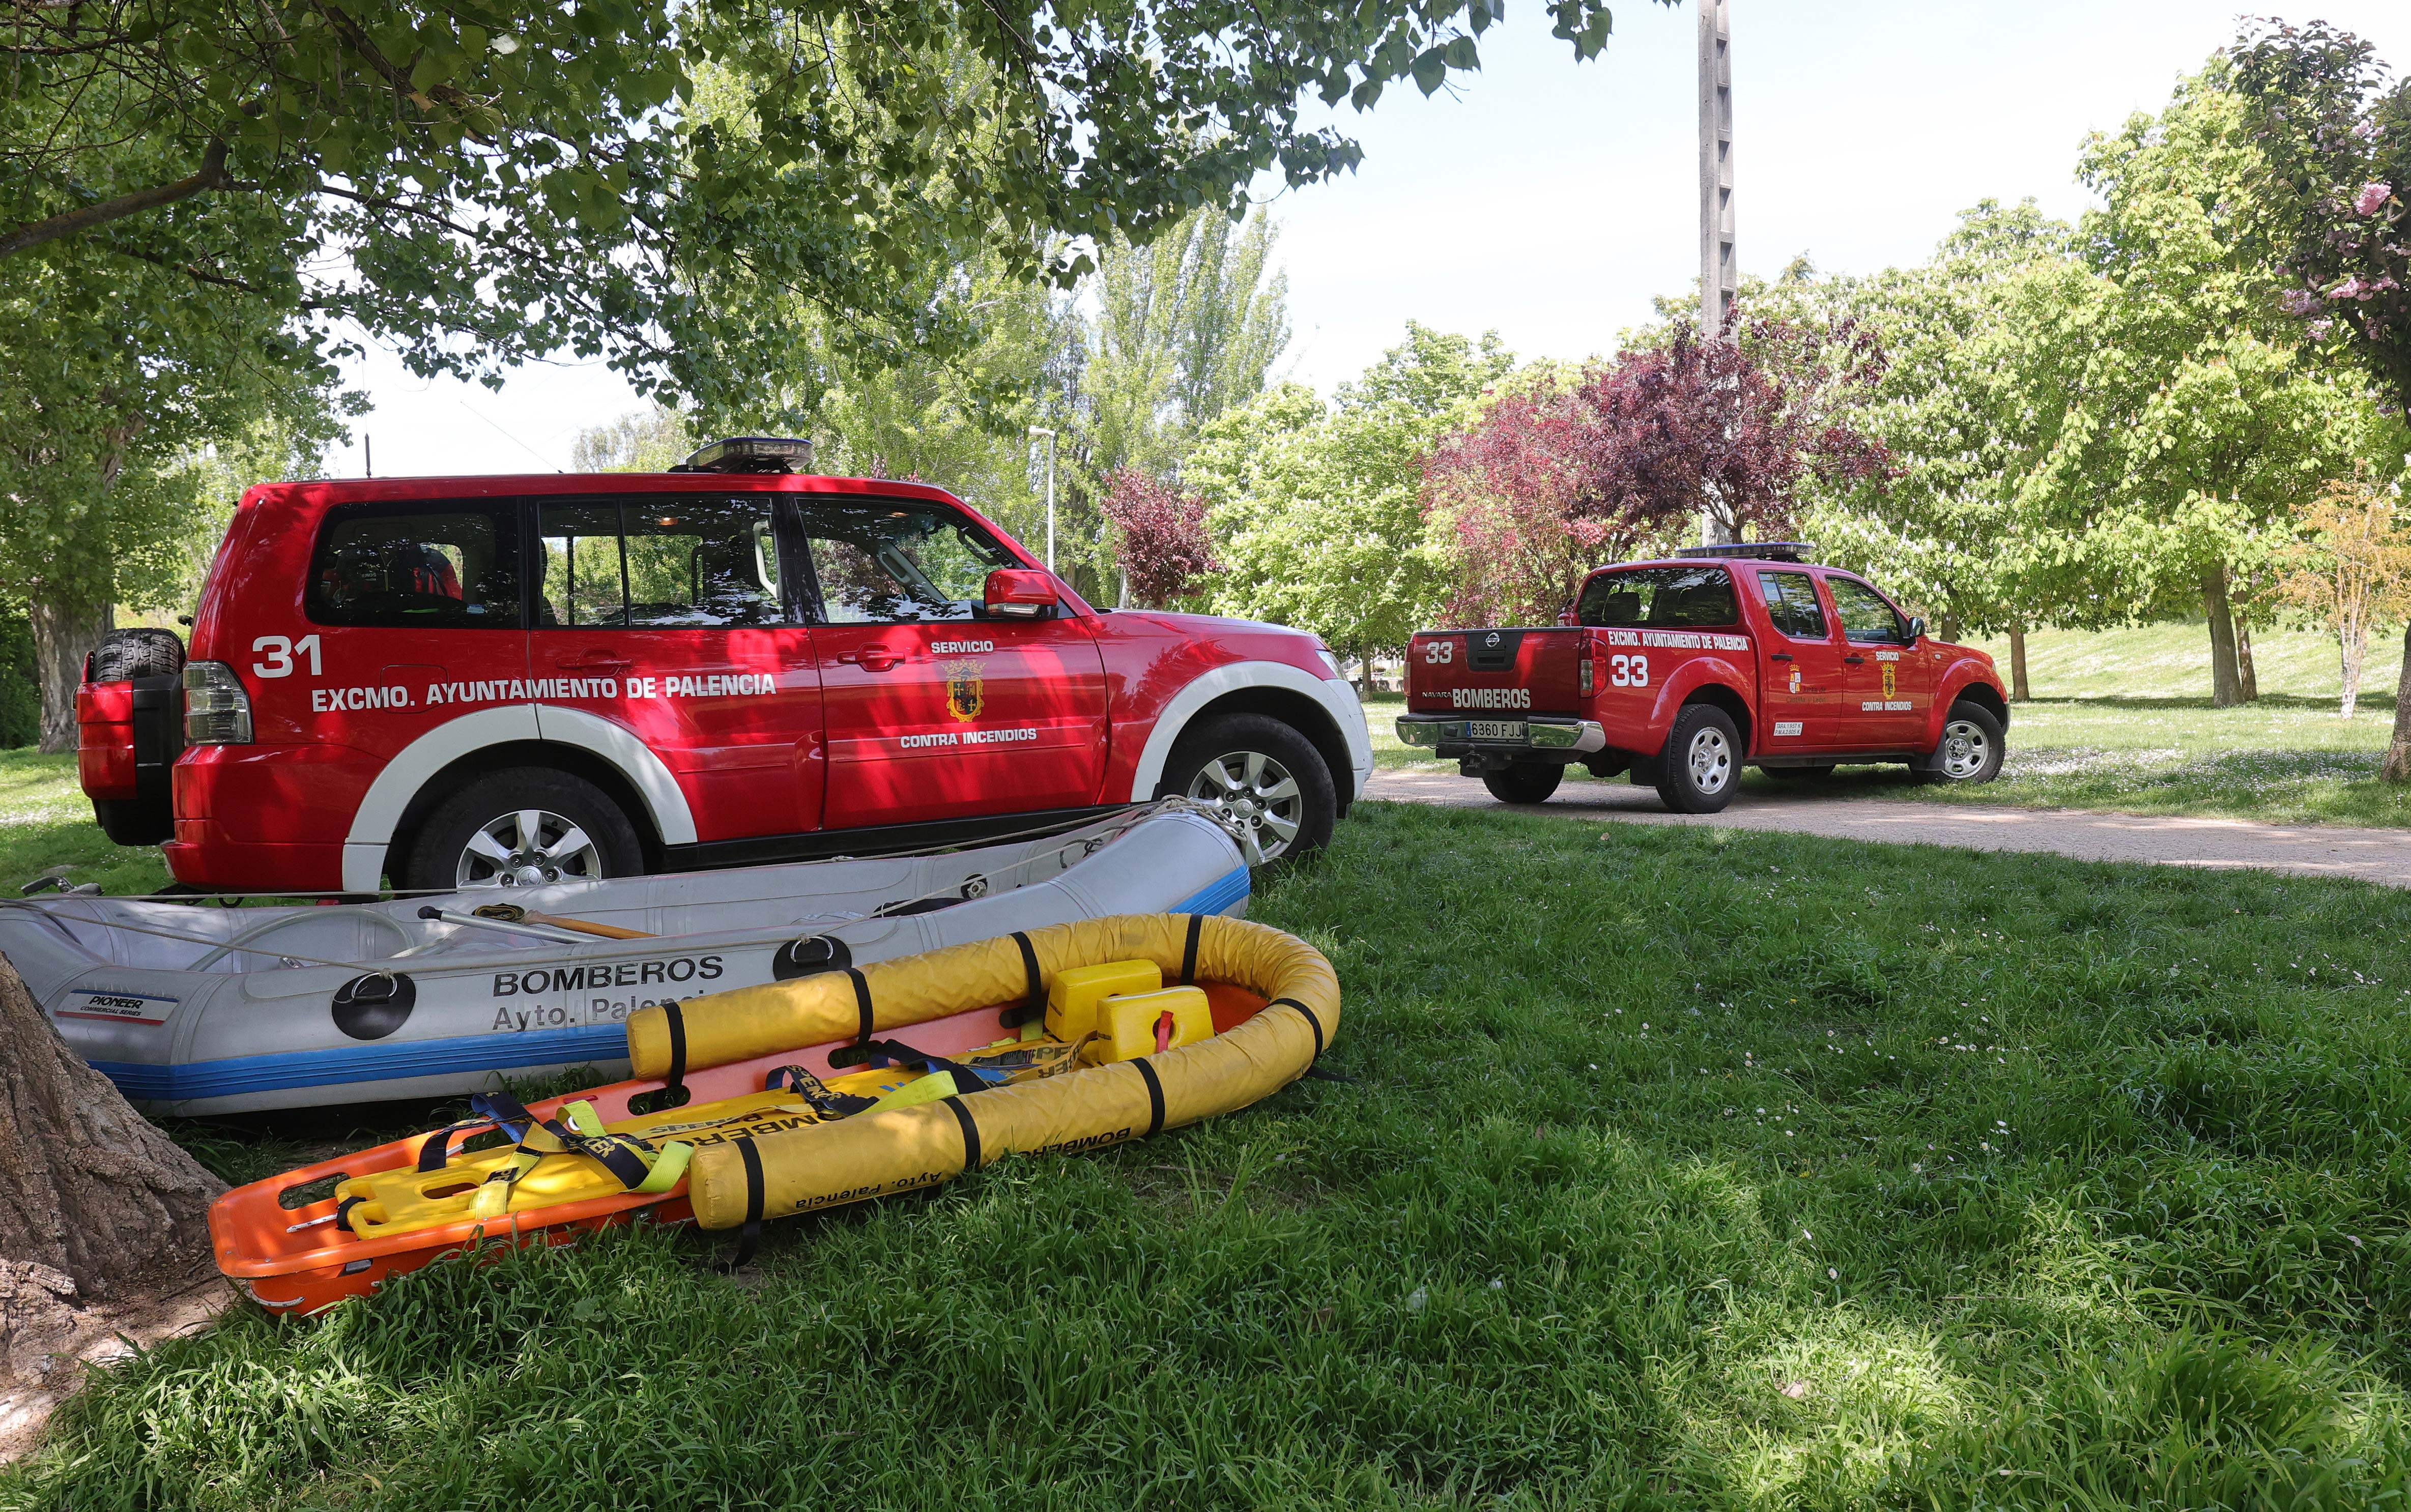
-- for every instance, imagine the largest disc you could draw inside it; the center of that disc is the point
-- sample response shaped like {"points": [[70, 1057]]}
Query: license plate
{"points": [[1495, 729]]}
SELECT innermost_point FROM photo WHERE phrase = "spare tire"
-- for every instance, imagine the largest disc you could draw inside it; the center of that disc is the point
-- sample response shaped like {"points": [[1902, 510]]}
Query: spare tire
{"points": [[123, 655]]}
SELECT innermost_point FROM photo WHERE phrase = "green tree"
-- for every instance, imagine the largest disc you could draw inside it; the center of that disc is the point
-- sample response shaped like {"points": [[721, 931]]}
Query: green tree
{"points": [[129, 397], [1315, 508], [2195, 424], [1956, 410]]}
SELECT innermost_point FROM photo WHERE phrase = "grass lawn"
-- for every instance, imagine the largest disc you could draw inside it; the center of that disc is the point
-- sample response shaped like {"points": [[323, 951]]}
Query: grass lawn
{"points": [[1688, 1167], [2121, 721], [46, 827]]}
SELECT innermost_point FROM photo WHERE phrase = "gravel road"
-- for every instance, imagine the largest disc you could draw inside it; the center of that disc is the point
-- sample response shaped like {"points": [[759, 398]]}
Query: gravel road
{"points": [[2369, 855]]}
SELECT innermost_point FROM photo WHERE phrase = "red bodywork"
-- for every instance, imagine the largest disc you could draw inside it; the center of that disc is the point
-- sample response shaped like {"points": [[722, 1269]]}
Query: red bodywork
{"points": [[728, 737], [1791, 696]]}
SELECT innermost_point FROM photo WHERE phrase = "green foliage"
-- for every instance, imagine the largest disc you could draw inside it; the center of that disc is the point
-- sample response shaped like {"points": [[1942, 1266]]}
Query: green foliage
{"points": [[503, 180], [1315, 508], [21, 696], [2088, 1174]]}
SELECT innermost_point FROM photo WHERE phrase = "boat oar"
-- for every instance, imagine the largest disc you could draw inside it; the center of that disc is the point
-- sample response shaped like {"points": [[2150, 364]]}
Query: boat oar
{"points": [[513, 913]]}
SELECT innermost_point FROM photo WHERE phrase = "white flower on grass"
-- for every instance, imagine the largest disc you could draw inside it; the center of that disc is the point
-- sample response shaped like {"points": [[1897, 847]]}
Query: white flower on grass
{"points": [[1416, 1298]]}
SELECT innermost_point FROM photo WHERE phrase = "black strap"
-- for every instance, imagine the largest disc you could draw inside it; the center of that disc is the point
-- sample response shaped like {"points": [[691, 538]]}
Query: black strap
{"points": [[1321, 1075], [1033, 1001], [1154, 1097], [1189, 952], [967, 1078], [970, 1133], [344, 1211], [436, 1149], [814, 1090], [616, 1152], [752, 1234], [677, 1018], [862, 1006], [1312, 1023]]}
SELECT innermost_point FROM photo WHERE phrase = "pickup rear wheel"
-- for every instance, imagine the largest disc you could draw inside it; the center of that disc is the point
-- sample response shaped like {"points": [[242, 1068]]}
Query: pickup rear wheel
{"points": [[1701, 765], [1526, 782], [1973, 746], [1264, 778], [525, 827]]}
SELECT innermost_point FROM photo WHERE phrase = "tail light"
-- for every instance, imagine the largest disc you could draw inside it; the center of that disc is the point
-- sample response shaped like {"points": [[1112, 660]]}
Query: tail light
{"points": [[217, 712]]}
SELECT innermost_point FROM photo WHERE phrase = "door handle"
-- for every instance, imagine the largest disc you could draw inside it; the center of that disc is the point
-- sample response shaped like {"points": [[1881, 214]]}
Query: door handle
{"points": [[1780, 656], [871, 658], [1854, 660], [593, 662]]}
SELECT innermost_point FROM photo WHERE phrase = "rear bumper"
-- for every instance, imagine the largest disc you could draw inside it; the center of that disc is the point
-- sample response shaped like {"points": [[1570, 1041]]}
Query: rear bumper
{"points": [[1451, 735]]}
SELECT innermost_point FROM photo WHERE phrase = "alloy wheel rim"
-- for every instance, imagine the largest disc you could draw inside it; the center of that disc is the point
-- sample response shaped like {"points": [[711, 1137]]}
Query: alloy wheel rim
{"points": [[1257, 797], [1711, 761], [1964, 750], [528, 847]]}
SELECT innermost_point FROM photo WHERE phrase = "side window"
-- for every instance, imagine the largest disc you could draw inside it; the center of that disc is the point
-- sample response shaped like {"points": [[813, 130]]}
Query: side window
{"points": [[1866, 618], [1670, 596], [1792, 604], [449, 565], [898, 563], [656, 561]]}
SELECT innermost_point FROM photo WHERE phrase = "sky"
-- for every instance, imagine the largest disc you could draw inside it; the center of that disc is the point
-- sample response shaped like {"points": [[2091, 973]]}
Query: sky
{"points": [[1548, 200]]}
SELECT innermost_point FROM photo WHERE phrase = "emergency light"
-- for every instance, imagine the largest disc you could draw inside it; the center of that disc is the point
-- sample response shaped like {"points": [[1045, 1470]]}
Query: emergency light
{"points": [[1756, 550], [750, 454]]}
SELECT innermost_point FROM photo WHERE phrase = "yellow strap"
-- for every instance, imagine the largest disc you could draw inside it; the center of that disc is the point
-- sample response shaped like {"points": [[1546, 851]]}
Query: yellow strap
{"points": [[912, 1093], [669, 1167]]}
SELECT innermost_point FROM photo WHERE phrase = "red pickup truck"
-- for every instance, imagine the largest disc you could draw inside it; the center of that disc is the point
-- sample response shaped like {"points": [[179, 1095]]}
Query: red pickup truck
{"points": [[1683, 671]]}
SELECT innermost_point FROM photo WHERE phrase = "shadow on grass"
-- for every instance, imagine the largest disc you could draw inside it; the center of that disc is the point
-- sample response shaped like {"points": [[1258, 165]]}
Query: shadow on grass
{"points": [[2371, 700]]}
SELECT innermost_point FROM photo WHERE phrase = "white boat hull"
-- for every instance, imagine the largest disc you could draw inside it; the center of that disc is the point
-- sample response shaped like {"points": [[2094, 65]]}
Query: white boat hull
{"points": [[301, 1007]]}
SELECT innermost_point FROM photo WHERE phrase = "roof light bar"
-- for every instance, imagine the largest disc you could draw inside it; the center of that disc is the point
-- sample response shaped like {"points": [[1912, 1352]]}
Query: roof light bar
{"points": [[1756, 550], [750, 454]]}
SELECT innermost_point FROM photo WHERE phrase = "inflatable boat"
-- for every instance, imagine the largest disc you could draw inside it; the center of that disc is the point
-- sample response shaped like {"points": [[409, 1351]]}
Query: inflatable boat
{"points": [[194, 1010], [818, 1092]]}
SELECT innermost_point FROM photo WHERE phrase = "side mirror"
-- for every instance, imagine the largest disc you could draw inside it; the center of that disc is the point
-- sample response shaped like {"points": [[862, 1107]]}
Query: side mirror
{"points": [[1567, 617], [1916, 628], [1021, 593]]}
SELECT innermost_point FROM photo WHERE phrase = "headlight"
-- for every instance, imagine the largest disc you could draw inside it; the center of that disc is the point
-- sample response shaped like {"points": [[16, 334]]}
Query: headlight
{"points": [[217, 712], [1329, 661]]}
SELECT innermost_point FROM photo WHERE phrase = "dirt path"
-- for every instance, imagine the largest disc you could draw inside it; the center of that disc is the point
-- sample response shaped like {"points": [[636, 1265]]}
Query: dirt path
{"points": [[2382, 856]]}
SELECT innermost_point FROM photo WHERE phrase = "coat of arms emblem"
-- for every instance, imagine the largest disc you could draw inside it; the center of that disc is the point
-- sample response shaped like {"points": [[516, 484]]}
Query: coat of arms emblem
{"points": [[965, 693], [1891, 675]]}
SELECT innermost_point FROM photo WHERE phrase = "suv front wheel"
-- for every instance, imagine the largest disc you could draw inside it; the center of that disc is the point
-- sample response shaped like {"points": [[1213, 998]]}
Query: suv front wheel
{"points": [[526, 827], [1266, 780]]}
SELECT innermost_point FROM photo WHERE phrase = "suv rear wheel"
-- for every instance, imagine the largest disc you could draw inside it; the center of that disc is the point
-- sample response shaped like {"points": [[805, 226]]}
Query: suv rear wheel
{"points": [[525, 827], [1701, 762], [1268, 782], [1526, 782]]}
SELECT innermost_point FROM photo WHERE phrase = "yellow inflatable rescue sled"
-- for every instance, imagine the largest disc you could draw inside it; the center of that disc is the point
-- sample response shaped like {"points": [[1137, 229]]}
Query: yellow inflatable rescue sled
{"points": [[824, 1090]]}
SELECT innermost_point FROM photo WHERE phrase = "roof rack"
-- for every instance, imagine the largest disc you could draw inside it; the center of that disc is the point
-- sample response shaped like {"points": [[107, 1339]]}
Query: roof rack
{"points": [[749, 453], [1756, 550]]}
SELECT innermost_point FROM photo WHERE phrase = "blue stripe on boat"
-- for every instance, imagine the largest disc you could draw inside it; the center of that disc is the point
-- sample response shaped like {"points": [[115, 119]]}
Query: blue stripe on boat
{"points": [[499, 1052], [1215, 896], [240, 1074]]}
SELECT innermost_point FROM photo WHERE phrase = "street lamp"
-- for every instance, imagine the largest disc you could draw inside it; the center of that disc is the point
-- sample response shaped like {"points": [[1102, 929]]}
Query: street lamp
{"points": [[1042, 430]]}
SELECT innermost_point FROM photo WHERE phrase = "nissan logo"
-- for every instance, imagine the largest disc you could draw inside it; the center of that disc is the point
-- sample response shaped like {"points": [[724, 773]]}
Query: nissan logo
{"points": [[1492, 639]]}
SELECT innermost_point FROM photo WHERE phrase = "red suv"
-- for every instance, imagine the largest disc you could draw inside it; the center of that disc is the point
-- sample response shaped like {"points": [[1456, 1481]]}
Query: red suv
{"points": [[490, 681]]}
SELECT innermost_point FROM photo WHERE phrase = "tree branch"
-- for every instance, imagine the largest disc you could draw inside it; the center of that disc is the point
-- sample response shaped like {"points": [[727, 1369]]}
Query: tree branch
{"points": [[212, 175]]}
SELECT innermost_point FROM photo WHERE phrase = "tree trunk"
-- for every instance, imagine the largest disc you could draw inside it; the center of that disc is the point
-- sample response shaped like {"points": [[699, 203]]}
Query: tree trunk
{"points": [[2018, 690], [2356, 652], [2226, 684], [1948, 631], [2397, 767], [1366, 670], [2243, 670], [87, 1187], [62, 636]]}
